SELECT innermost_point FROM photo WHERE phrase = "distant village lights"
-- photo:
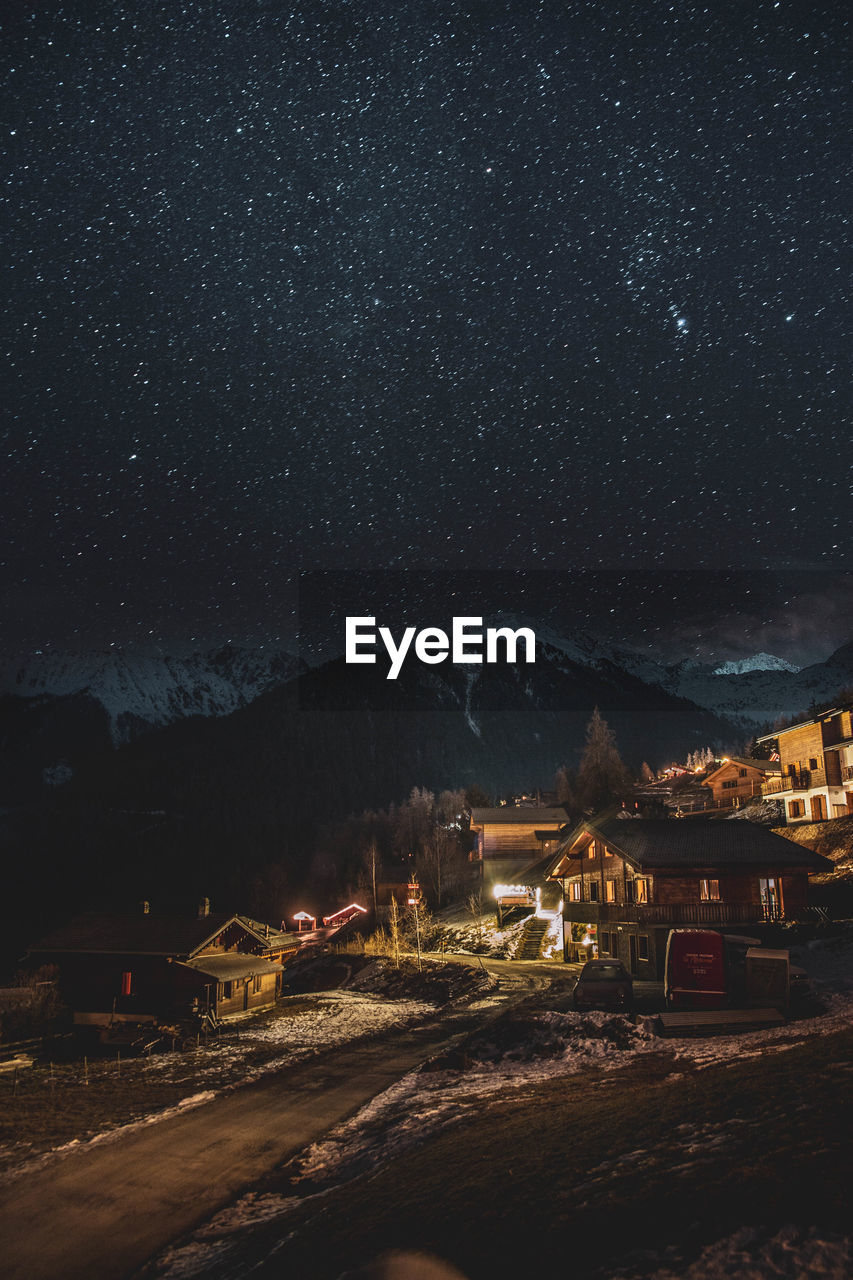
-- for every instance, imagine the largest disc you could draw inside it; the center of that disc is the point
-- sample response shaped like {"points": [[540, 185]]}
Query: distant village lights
{"points": [[432, 645]]}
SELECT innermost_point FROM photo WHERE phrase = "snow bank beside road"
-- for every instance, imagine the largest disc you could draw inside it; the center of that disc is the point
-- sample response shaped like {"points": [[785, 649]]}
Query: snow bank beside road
{"points": [[298, 1029], [516, 1051]]}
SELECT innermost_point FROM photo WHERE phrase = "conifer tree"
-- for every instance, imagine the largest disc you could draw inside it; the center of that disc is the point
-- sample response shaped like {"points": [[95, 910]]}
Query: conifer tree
{"points": [[602, 777]]}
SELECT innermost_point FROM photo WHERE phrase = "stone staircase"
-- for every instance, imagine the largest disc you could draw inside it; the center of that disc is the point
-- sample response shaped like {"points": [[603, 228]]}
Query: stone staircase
{"points": [[530, 946]]}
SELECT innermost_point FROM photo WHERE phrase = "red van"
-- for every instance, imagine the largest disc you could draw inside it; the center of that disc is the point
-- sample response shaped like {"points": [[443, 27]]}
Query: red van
{"points": [[695, 975]]}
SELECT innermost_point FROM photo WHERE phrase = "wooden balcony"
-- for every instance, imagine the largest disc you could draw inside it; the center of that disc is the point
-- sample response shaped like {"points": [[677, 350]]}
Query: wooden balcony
{"points": [[688, 914], [802, 781]]}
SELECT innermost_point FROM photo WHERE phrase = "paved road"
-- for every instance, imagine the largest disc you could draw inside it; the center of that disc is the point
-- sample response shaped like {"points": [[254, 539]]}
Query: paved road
{"points": [[100, 1213]]}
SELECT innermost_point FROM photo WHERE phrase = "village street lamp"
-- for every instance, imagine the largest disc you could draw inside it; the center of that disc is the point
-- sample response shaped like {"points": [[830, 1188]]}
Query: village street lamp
{"points": [[413, 901]]}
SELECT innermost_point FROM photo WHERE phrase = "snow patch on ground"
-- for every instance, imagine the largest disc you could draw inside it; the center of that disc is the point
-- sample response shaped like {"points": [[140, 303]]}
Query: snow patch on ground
{"points": [[480, 936], [330, 1019], [752, 1254], [107, 1135], [546, 1046], [521, 1049]]}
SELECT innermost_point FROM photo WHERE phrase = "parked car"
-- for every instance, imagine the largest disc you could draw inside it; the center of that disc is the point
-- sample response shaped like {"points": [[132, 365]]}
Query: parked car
{"points": [[604, 984]]}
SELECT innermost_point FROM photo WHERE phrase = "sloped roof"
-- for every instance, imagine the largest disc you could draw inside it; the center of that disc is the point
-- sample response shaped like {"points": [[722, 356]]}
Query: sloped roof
{"points": [[700, 842], [235, 964], [537, 872], [134, 934], [269, 935], [530, 815], [763, 766]]}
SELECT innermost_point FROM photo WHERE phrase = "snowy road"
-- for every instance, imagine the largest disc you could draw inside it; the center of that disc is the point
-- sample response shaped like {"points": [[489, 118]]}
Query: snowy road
{"points": [[103, 1210]]}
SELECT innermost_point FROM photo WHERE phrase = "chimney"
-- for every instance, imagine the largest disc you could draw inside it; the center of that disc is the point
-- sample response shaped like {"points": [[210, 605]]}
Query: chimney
{"points": [[203, 908], [145, 907]]}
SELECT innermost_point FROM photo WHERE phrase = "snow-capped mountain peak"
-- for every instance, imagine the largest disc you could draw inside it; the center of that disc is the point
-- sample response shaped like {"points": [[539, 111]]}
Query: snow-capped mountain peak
{"points": [[758, 662], [141, 691]]}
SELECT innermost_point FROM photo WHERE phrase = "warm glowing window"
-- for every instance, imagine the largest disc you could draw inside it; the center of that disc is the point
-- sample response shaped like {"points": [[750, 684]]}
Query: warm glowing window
{"points": [[610, 891], [591, 851], [126, 983], [641, 890], [575, 891], [709, 890]]}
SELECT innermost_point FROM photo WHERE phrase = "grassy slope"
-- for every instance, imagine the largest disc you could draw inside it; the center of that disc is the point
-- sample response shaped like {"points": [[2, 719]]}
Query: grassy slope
{"points": [[833, 839], [572, 1174]]}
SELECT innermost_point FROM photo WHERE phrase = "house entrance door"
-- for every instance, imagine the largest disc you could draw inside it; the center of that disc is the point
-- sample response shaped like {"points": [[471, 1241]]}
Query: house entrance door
{"points": [[632, 952], [771, 899]]}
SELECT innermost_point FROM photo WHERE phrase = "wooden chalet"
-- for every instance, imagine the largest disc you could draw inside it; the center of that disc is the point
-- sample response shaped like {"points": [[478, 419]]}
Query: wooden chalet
{"points": [[162, 969], [507, 839], [816, 767], [738, 781], [627, 882]]}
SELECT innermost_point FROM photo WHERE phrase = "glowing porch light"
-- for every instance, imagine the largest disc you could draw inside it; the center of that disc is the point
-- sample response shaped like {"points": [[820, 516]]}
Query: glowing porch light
{"points": [[512, 891]]}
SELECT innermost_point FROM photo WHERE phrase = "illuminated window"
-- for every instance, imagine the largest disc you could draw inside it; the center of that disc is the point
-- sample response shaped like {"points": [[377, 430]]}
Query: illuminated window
{"points": [[126, 983], [641, 890], [591, 851], [575, 891], [709, 890], [610, 891]]}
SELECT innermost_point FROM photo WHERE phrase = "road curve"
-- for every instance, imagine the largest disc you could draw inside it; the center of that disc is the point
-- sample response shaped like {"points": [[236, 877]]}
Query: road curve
{"points": [[100, 1212]]}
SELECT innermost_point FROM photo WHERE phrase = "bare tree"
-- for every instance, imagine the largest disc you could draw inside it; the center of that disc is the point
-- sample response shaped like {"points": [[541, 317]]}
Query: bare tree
{"points": [[370, 862], [394, 928], [439, 863], [415, 819], [475, 910]]}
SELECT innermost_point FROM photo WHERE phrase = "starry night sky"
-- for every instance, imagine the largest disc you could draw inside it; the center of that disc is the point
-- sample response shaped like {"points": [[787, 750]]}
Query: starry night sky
{"points": [[391, 284]]}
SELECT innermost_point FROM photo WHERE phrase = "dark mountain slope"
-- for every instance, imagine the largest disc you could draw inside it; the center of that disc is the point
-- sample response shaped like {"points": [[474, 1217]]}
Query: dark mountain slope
{"points": [[233, 807]]}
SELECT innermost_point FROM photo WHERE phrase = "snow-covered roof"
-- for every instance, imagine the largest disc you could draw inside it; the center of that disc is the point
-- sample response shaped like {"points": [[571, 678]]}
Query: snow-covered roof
{"points": [[695, 842], [531, 815], [235, 964]]}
